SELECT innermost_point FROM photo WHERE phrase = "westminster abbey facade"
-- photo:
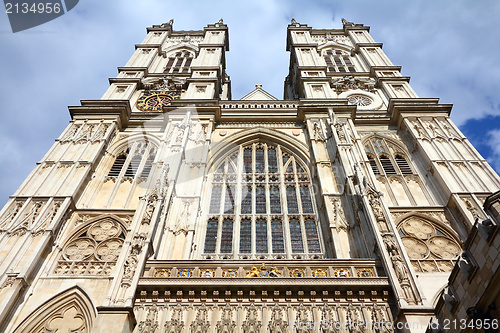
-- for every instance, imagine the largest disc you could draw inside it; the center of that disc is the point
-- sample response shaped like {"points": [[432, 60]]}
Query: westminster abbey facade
{"points": [[167, 206]]}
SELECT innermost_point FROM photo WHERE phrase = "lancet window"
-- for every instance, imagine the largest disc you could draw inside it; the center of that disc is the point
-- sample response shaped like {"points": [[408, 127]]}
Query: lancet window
{"points": [[138, 163], [390, 164], [338, 61], [261, 205], [179, 62]]}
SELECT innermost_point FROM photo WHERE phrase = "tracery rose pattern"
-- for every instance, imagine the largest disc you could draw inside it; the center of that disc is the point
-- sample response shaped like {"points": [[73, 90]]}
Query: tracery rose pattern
{"points": [[104, 230], [359, 100], [80, 249], [425, 240], [96, 248], [109, 250]]}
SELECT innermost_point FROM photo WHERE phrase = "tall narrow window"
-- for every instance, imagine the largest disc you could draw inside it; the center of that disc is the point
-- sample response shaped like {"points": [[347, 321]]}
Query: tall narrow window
{"points": [[227, 236], [374, 166], [117, 166], [246, 235], [261, 235], [246, 200], [296, 235], [306, 199], [338, 61], [229, 200], [312, 235], [179, 63], [215, 200], [387, 165], [211, 235], [275, 210], [274, 199], [147, 167], [291, 199], [260, 199], [277, 236], [403, 165]]}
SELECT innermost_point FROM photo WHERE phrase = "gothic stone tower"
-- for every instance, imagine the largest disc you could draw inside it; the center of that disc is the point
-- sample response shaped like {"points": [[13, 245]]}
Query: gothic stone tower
{"points": [[165, 206]]}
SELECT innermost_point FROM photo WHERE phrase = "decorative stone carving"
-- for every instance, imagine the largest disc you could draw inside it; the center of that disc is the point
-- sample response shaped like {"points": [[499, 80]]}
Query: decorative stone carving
{"points": [[8, 282], [175, 324], [338, 214], [226, 324], [318, 132], [94, 250], [374, 200], [150, 324], [251, 324], [11, 215], [472, 209], [165, 83], [200, 324], [347, 23], [182, 223], [277, 322], [339, 127], [349, 82]]}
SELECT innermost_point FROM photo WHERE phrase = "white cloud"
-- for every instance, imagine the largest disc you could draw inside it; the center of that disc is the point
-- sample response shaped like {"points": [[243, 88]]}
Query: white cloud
{"points": [[493, 141]]}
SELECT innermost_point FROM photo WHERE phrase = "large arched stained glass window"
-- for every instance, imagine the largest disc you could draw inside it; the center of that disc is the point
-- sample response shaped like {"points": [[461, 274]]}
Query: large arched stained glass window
{"points": [[261, 205]]}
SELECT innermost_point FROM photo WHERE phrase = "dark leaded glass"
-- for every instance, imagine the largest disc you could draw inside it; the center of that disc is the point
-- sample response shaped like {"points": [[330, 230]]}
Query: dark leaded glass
{"points": [[291, 199], [260, 200], [277, 234], [271, 160], [246, 235], [296, 236], [261, 235], [226, 241], [305, 196], [211, 236], [259, 160], [274, 199], [247, 160], [312, 236]]}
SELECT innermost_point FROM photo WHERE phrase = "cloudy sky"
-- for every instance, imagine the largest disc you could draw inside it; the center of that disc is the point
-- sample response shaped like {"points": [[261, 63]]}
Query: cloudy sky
{"points": [[450, 49]]}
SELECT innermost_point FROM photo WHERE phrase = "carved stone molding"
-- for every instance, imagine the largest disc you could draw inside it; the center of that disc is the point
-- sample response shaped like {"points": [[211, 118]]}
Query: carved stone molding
{"points": [[349, 82]]}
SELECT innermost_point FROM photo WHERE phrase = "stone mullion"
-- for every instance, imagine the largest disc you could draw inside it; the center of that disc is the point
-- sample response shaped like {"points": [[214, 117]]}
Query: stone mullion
{"points": [[376, 224], [319, 149], [25, 273]]}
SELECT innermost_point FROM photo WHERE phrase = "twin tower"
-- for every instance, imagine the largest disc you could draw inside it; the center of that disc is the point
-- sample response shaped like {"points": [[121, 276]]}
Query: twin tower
{"points": [[166, 206]]}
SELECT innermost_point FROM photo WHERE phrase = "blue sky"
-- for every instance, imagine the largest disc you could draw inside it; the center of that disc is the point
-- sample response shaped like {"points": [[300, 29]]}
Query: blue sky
{"points": [[448, 48]]}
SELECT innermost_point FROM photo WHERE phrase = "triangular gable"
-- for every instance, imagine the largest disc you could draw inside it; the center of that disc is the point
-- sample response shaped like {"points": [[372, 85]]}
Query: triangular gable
{"points": [[258, 94]]}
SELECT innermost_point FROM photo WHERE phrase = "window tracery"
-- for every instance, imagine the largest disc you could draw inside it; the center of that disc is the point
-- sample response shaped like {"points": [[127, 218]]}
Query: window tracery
{"points": [[389, 163], [428, 244], [93, 250], [180, 62], [261, 205], [138, 163], [338, 61]]}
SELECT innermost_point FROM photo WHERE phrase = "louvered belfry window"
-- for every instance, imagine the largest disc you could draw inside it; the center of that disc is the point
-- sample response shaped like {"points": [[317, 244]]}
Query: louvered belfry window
{"points": [[385, 157], [261, 205]]}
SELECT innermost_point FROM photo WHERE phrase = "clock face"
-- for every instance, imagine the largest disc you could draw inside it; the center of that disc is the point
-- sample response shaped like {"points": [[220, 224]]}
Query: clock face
{"points": [[155, 101]]}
